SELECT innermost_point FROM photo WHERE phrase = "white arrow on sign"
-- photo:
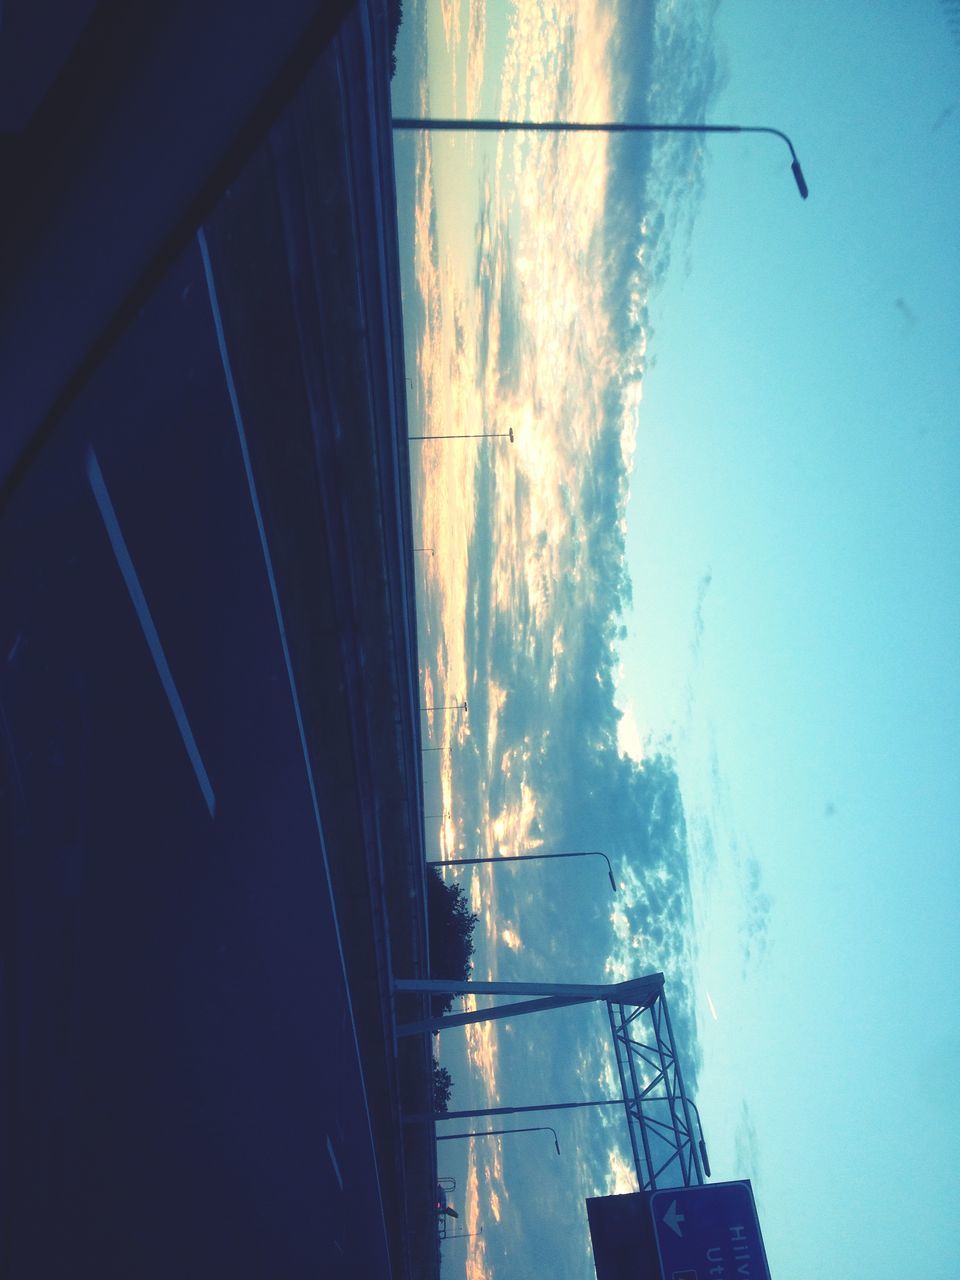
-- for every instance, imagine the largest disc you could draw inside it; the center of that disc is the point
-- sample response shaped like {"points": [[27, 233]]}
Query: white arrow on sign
{"points": [[673, 1219]]}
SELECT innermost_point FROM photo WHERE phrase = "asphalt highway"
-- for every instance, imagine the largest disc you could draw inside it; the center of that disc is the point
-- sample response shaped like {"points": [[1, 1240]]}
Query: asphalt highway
{"points": [[185, 1095]]}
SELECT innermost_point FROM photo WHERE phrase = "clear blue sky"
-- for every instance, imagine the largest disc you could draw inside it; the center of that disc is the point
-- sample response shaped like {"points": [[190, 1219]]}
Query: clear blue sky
{"points": [[800, 444], [790, 528]]}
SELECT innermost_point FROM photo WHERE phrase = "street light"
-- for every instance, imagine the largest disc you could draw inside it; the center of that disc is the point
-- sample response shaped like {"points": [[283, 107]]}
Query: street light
{"points": [[447, 706], [430, 549], [701, 1144], [431, 1117], [461, 1235], [527, 857], [490, 1133], [470, 435], [614, 126]]}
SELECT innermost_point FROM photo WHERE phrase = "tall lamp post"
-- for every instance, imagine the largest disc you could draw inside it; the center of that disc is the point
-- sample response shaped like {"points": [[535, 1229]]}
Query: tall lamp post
{"points": [[491, 1133], [425, 1117], [610, 126], [470, 435], [527, 857]]}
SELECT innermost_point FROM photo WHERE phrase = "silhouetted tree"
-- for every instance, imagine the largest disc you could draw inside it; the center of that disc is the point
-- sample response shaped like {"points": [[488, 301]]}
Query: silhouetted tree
{"points": [[395, 18], [442, 1085], [450, 925]]}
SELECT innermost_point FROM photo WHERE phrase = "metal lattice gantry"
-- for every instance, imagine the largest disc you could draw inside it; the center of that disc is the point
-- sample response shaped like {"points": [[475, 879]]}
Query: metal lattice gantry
{"points": [[665, 1150]]}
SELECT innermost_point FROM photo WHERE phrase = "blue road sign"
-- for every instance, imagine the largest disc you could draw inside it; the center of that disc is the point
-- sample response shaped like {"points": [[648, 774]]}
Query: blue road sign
{"points": [[708, 1233]]}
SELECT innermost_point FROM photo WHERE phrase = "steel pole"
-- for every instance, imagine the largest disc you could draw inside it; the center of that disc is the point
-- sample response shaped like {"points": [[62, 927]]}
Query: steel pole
{"points": [[424, 1117], [524, 857], [610, 126]]}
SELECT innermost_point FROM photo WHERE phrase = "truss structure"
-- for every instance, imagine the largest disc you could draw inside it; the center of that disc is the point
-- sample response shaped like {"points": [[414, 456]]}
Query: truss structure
{"points": [[666, 1152]]}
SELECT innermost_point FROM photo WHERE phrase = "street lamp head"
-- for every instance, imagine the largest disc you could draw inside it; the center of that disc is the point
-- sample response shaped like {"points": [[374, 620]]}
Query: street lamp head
{"points": [[612, 881], [575, 126], [510, 434], [557, 1145], [801, 181]]}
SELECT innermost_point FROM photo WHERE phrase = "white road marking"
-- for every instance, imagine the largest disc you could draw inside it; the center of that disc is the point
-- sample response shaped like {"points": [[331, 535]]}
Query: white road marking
{"points": [[333, 1161], [129, 573], [268, 562]]}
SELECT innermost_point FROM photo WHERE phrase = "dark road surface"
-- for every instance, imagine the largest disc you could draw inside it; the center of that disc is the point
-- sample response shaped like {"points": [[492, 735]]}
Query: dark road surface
{"points": [[185, 1096]]}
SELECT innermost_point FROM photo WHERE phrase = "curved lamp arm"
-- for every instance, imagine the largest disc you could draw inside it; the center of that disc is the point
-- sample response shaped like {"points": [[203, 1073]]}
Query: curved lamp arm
{"points": [[521, 857], [610, 126]]}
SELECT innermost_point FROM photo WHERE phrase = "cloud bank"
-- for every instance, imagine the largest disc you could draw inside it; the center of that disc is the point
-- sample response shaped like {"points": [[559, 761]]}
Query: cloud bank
{"points": [[535, 320]]}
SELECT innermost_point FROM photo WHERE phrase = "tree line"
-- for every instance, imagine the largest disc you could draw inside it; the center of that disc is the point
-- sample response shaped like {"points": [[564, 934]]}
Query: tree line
{"points": [[450, 926]]}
